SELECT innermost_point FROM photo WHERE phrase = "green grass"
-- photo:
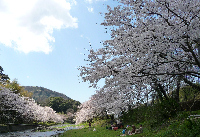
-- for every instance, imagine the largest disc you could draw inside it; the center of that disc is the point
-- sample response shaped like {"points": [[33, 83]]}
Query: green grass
{"points": [[176, 129], [67, 126], [3, 125], [101, 131], [44, 130], [86, 132], [178, 126]]}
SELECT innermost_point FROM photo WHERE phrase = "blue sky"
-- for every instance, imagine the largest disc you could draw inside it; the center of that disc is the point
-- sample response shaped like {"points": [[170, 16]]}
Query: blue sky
{"points": [[42, 42]]}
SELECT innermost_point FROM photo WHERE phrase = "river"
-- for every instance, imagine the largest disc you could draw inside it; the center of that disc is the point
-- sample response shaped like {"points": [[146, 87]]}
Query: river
{"points": [[29, 133]]}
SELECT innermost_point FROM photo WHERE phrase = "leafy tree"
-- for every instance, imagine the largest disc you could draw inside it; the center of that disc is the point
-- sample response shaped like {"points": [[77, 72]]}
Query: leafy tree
{"points": [[187, 93], [59, 104], [153, 44], [14, 85], [55, 103], [3, 77], [70, 110], [16, 88]]}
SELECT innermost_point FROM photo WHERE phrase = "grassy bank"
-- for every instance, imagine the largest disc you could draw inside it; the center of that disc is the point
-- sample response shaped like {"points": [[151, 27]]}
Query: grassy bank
{"points": [[173, 128], [164, 119], [56, 126], [101, 131]]}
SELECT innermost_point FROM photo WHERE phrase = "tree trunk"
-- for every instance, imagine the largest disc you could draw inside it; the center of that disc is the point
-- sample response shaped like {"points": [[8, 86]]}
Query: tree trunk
{"points": [[177, 90], [163, 91]]}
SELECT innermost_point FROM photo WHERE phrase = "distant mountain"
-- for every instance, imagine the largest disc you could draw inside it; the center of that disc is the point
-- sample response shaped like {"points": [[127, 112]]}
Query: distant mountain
{"points": [[41, 95]]}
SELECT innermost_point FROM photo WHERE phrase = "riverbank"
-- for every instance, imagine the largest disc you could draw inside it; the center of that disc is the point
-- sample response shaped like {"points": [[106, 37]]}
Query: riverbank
{"points": [[54, 130], [12, 127], [16, 127]]}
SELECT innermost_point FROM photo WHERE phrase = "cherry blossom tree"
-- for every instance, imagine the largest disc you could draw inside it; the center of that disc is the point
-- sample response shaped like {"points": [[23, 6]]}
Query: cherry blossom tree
{"points": [[86, 112], [154, 43], [14, 108], [105, 100]]}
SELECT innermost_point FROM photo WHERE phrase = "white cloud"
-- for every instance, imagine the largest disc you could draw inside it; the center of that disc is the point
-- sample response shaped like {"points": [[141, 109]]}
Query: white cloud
{"points": [[90, 9], [27, 25], [74, 2]]}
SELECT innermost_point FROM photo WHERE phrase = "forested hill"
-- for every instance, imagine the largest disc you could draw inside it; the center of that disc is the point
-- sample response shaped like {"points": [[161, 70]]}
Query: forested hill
{"points": [[41, 94]]}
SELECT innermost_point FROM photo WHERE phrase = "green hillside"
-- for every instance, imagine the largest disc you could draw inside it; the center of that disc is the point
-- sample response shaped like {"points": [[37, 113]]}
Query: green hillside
{"points": [[41, 95]]}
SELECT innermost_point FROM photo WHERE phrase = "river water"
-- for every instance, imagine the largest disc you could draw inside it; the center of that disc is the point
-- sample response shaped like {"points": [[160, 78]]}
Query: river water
{"points": [[28, 133]]}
